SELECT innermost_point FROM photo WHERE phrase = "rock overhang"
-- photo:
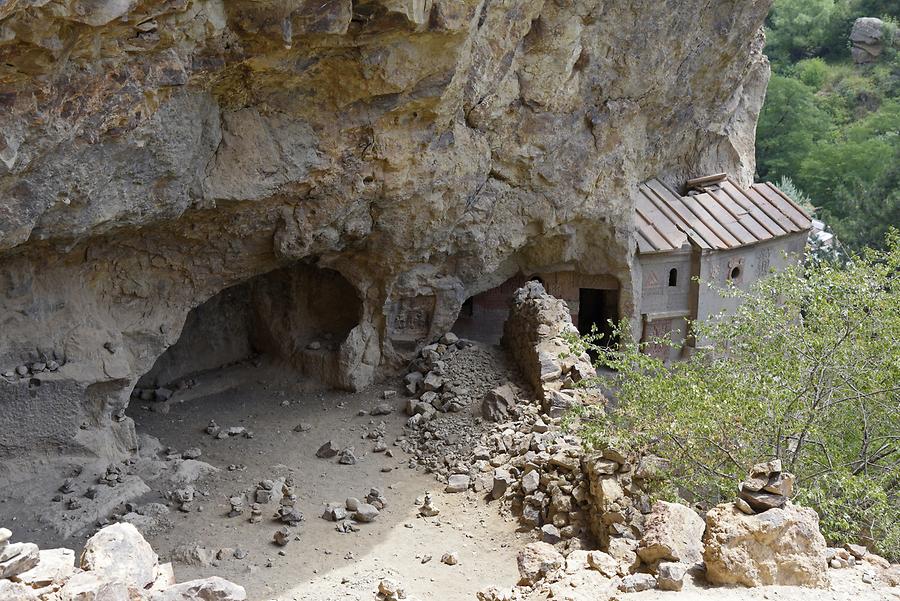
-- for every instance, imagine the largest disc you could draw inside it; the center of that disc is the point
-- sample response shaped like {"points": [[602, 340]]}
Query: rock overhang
{"points": [[425, 151]]}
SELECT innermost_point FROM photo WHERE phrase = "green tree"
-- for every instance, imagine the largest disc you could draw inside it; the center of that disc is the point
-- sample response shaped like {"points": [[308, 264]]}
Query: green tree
{"points": [[789, 126], [800, 28], [854, 176], [806, 370]]}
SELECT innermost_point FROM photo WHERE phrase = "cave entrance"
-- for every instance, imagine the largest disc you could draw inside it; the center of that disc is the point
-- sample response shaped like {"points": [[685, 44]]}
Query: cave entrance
{"points": [[298, 315], [482, 316], [596, 309], [593, 300]]}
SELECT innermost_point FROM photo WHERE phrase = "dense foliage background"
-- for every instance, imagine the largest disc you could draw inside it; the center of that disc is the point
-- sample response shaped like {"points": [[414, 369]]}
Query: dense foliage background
{"points": [[829, 125]]}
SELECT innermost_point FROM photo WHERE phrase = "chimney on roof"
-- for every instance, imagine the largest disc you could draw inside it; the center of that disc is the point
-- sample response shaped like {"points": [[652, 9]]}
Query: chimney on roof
{"points": [[699, 185]]}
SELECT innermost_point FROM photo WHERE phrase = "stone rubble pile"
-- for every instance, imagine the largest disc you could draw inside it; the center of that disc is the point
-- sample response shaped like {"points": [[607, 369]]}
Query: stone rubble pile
{"points": [[444, 378], [117, 564], [516, 451]]}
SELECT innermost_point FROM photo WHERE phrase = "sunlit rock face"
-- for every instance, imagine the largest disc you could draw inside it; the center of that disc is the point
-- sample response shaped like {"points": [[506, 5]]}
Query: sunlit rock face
{"points": [[153, 154]]}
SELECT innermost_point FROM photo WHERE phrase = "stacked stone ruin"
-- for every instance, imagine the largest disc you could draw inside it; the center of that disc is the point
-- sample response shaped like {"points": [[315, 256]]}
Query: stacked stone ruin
{"points": [[537, 334], [523, 458], [767, 487]]}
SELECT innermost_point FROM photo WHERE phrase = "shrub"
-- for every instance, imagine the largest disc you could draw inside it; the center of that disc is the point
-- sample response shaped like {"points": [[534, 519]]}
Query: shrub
{"points": [[806, 370], [814, 72]]}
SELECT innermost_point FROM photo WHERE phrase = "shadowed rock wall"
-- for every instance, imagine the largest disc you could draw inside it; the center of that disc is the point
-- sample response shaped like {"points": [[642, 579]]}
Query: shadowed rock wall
{"points": [[154, 153]]}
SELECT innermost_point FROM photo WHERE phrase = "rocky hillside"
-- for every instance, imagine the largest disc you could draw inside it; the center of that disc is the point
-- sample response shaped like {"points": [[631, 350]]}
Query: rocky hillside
{"points": [[154, 153]]}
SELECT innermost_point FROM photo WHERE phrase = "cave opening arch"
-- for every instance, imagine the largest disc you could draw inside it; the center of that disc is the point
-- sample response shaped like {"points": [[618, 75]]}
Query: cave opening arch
{"points": [[301, 316]]}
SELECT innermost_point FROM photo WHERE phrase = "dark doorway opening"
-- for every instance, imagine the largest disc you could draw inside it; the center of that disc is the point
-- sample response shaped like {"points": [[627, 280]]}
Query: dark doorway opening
{"points": [[596, 309]]}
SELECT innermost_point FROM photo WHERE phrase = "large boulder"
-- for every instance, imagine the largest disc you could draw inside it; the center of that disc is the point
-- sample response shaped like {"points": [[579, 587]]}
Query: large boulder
{"points": [[780, 546], [207, 589], [538, 561], [13, 591], [866, 39], [119, 552], [16, 558], [92, 586], [672, 532], [498, 403], [54, 567]]}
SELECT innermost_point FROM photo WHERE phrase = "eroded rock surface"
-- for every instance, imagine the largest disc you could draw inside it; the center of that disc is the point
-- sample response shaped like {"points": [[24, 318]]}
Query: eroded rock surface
{"points": [[153, 154], [780, 546]]}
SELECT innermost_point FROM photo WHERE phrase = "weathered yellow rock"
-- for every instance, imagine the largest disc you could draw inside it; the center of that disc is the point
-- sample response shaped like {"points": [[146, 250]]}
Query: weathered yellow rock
{"points": [[779, 546]]}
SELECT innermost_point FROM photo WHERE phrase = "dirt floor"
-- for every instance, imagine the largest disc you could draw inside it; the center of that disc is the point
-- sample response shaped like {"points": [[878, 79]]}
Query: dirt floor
{"points": [[320, 563], [323, 564]]}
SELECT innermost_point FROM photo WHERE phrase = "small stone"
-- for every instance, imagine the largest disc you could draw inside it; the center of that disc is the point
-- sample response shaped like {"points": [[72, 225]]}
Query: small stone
{"points": [[328, 450], [365, 512], [743, 506], [531, 481], [501, 483], [303, 427], [334, 513], [382, 409], [347, 457], [289, 515], [537, 561], [451, 559], [636, 583], [457, 483], [390, 590], [352, 503], [762, 501], [314, 345], [550, 534], [282, 537], [603, 563], [17, 558], [192, 453], [670, 576]]}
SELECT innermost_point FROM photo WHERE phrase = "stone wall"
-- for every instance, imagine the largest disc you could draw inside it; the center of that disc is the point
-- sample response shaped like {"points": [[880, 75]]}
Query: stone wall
{"points": [[619, 502], [538, 333]]}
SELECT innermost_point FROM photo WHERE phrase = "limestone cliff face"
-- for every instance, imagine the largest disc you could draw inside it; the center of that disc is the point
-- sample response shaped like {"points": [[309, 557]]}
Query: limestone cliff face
{"points": [[154, 153]]}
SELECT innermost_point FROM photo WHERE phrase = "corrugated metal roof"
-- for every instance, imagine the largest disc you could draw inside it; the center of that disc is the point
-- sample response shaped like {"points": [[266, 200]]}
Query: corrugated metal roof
{"points": [[718, 216]]}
